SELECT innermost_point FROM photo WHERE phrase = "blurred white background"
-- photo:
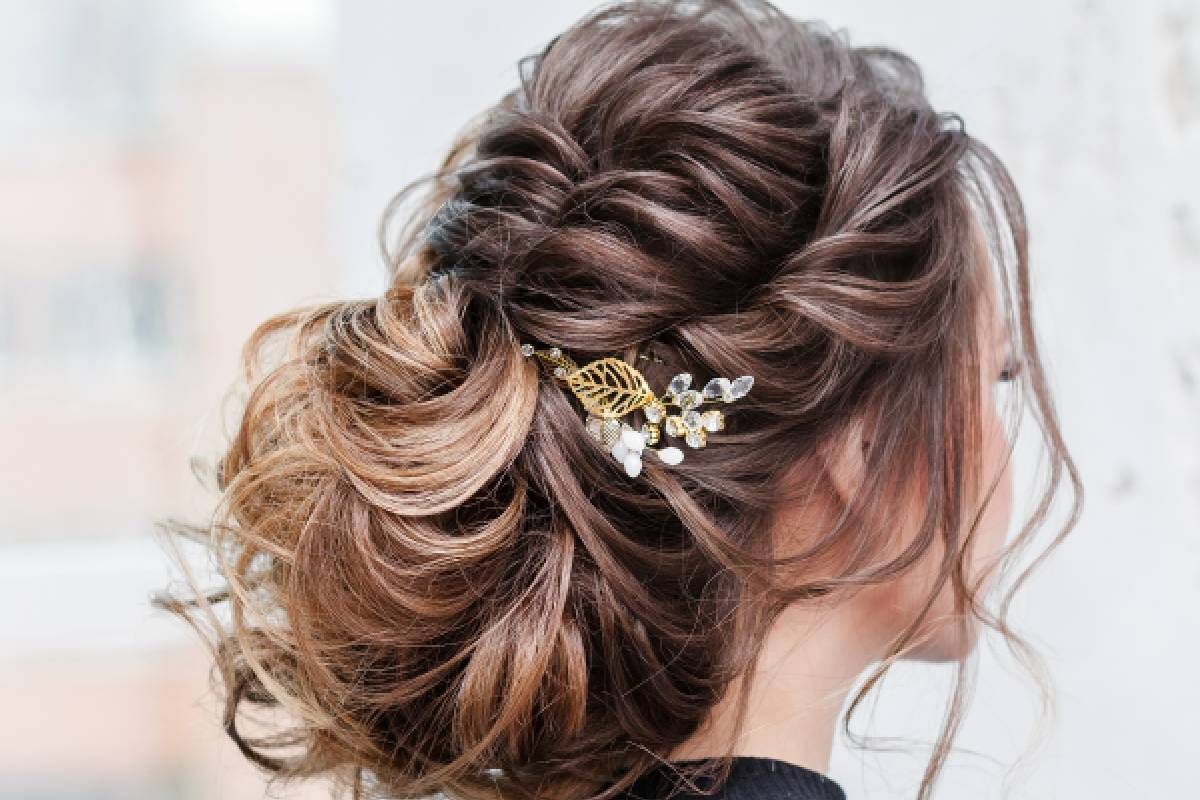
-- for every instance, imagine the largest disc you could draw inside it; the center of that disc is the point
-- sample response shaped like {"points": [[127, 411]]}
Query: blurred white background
{"points": [[173, 172]]}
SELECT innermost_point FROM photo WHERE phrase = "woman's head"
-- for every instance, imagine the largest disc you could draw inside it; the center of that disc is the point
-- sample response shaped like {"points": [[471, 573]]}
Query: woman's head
{"points": [[446, 583]]}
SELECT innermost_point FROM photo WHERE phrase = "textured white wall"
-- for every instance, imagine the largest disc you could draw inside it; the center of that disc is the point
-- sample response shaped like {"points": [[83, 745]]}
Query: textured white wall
{"points": [[1095, 107]]}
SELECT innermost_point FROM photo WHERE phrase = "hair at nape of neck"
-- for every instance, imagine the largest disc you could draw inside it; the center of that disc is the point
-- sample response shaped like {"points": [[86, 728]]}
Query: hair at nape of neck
{"points": [[610, 388]]}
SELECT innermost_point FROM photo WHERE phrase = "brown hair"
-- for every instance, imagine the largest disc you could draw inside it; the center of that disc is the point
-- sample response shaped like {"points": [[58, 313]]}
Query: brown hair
{"points": [[434, 572]]}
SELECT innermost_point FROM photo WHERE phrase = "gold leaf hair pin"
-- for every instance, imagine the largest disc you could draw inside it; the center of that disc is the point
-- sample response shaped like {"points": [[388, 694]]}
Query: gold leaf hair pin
{"points": [[609, 389]]}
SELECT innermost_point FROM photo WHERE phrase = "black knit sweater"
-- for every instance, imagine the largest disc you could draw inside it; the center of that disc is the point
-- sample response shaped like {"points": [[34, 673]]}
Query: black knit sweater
{"points": [[750, 778]]}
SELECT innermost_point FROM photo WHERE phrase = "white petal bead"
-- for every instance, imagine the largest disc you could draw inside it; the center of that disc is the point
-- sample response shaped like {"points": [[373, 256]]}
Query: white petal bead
{"points": [[680, 383], [633, 465], [619, 451], [741, 386], [633, 440], [716, 389], [670, 455]]}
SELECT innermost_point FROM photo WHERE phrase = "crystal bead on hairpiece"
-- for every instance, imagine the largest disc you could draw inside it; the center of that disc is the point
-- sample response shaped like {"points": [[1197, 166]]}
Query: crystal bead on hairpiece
{"points": [[610, 389]]}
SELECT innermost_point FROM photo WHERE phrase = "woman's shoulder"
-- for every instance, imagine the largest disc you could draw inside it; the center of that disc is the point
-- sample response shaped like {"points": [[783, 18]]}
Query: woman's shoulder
{"points": [[750, 778]]}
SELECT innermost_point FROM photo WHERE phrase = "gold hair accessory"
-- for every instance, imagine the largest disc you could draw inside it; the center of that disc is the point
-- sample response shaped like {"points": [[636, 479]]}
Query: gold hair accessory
{"points": [[609, 388]]}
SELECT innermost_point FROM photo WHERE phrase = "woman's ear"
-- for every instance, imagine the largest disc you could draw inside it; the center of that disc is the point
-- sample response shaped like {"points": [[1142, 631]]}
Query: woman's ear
{"points": [[845, 455]]}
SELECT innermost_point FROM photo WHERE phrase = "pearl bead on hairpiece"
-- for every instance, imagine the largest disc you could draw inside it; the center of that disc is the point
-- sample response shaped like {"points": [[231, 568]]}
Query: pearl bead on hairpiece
{"points": [[609, 389]]}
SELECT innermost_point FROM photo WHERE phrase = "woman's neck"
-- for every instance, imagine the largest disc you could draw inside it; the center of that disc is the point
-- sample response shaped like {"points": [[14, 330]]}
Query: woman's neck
{"points": [[810, 660]]}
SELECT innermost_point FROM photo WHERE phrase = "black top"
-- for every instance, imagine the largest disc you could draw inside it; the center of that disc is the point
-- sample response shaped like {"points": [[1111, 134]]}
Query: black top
{"points": [[750, 778]]}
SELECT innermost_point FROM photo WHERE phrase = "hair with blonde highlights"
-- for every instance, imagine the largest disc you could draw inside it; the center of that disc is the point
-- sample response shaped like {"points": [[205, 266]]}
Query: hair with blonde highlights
{"points": [[432, 572]]}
